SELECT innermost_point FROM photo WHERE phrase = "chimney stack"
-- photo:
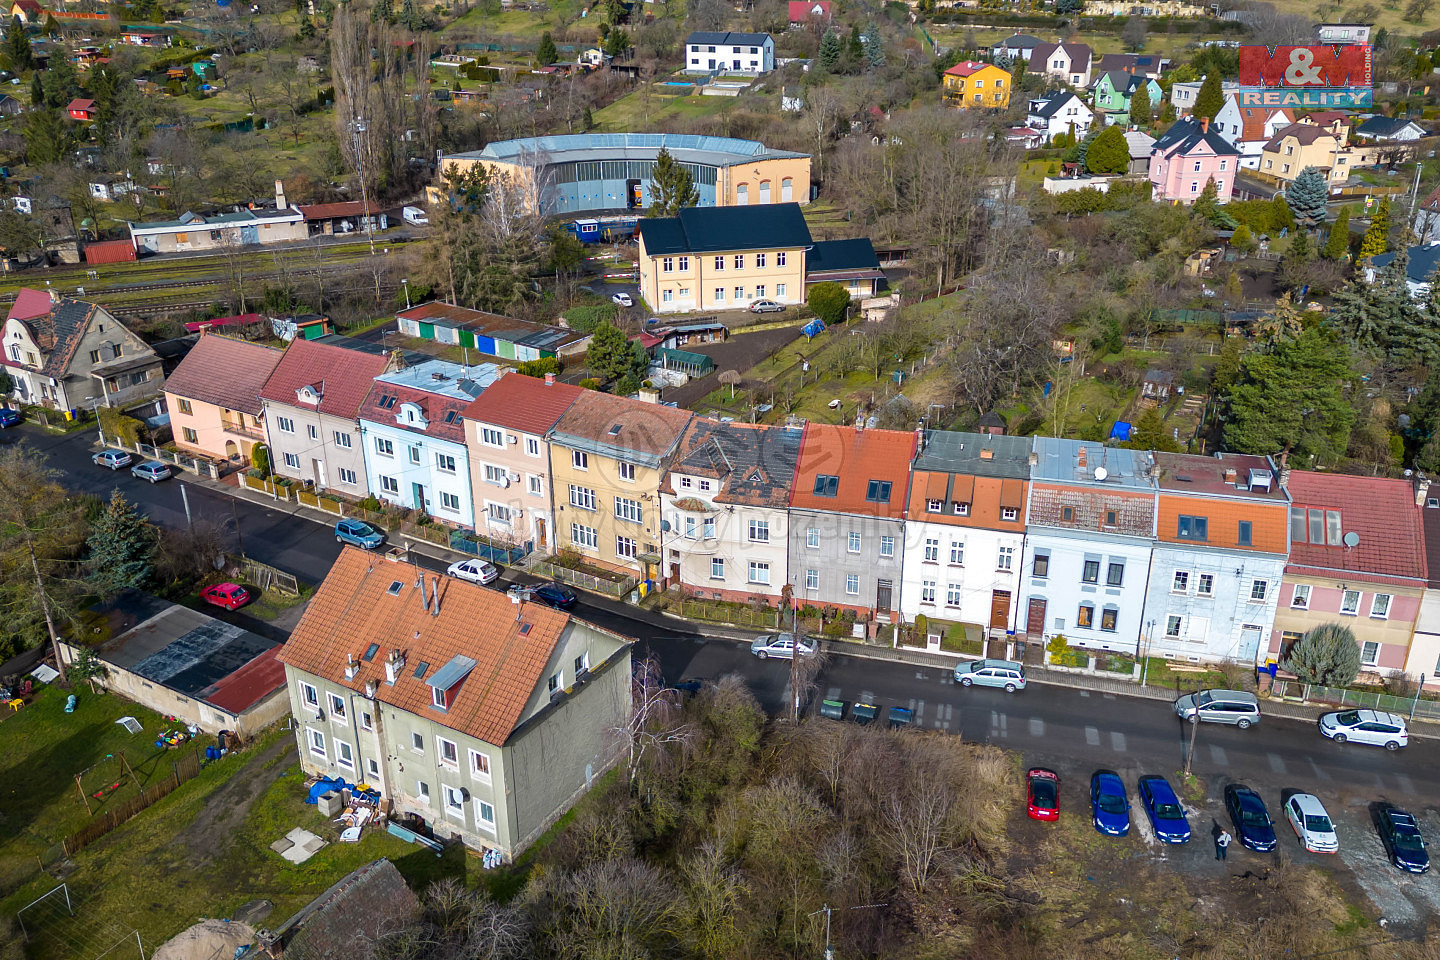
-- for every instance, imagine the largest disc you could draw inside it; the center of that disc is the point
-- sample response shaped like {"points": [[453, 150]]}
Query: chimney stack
{"points": [[434, 596], [351, 667], [1230, 475], [1080, 459], [1422, 488], [549, 379], [1204, 124], [394, 663], [280, 203]]}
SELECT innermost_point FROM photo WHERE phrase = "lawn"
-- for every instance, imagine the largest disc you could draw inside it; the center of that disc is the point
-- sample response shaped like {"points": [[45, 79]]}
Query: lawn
{"points": [[629, 112], [521, 25], [1084, 406]]}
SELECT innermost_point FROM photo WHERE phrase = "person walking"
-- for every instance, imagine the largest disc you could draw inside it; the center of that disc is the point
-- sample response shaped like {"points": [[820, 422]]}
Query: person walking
{"points": [[1222, 843]]}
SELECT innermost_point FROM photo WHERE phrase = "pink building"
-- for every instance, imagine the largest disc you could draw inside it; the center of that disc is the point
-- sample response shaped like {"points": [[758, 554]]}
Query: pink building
{"points": [[1187, 156], [1357, 558]]}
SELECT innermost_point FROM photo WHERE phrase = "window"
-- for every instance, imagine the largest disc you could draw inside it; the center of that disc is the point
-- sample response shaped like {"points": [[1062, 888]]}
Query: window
{"points": [[1005, 558], [1350, 603], [686, 483], [852, 584], [534, 486], [1317, 526], [932, 550], [342, 440], [190, 435], [667, 295], [927, 591], [285, 424], [1332, 528], [1009, 513], [720, 262], [878, 491], [532, 447], [1192, 528], [627, 471], [625, 547], [1115, 575], [348, 477], [492, 437], [1205, 586], [719, 294], [422, 790], [583, 536], [952, 594], [95, 358], [760, 290], [780, 287], [415, 453], [1300, 599], [292, 460], [1380, 606], [494, 511], [887, 546], [372, 768], [1085, 616], [579, 460], [317, 743], [667, 265], [826, 485], [760, 531], [780, 254], [854, 542], [496, 475], [760, 257], [708, 531], [314, 431], [759, 572], [451, 502], [389, 485], [454, 801], [337, 706], [445, 463], [812, 538], [384, 447], [1181, 583], [1067, 514], [684, 264], [812, 579], [957, 553], [1041, 568], [1091, 572], [690, 527], [739, 293], [184, 404], [417, 742], [485, 816], [1172, 626], [739, 261], [449, 753], [1243, 536], [1108, 618], [961, 509], [717, 568], [1258, 589], [626, 509], [934, 506], [582, 497], [1110, 518], [1369, 653]]}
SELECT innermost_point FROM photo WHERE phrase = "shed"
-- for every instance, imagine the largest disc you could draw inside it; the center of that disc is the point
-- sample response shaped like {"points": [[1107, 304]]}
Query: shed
{"points": [[1157, 384], [993, 424], [695, 364]]}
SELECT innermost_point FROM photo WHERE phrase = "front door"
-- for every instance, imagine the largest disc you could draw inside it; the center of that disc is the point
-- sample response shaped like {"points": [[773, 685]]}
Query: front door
{"points": [[883, 589], [319, 467], [674, 573], [417, 492], [540, 533], [1000, 609], [1035, 619]]}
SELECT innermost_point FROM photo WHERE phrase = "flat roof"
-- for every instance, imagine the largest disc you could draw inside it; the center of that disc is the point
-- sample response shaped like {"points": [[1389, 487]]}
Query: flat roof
{"points": [[688, 148], [1058, 460], [1254, 478], [447, 379], [945, 451]]}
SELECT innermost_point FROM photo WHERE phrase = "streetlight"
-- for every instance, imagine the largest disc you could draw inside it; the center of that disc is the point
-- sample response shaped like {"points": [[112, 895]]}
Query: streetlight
{"points": [[405, 285]]}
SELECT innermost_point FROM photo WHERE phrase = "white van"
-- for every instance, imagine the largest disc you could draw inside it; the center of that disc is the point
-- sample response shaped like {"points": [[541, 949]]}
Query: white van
{"points": [[415, 215]]}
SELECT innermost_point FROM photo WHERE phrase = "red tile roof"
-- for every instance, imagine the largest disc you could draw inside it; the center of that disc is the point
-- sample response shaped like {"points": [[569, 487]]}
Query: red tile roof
{"points": [[602, 418], [1304, 133], [1252, 120], [247, 686], [966, 69], [342, 377], [110, 251], [801, 10], [224, 371], [327, 211], [433, 406], [523, 403], [29, 304], [1381, 512], [856, 457]]}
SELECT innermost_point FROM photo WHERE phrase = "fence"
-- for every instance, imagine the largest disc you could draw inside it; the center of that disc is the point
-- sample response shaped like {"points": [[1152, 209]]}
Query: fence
{"points": [[487, 549], [736, 614], [265, 577], [204, 468], [185, 767], [585, 581], [1341, 697], [328, 504]]}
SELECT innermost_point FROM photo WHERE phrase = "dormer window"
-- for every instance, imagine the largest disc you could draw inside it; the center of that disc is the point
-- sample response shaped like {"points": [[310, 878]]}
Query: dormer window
{"points": [[310, 394], [445, 684], [961, 509], [411, 415]]}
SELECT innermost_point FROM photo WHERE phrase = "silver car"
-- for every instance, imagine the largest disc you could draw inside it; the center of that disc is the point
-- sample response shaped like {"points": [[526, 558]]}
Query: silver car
{"points": [[1373, 727], [1005, 674], [114, 459], [1235, 707], [780, 645], [151, 470]]}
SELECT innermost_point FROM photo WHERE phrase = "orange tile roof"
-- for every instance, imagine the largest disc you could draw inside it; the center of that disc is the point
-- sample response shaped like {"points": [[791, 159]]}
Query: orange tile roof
{"points": [[856, 457], [523, 403], [1252, 121], [354, 608], [342, 377], [224, 371]]}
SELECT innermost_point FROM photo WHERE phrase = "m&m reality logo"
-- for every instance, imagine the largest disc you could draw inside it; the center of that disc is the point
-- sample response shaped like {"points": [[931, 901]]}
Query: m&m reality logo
{"points": [[1306, 76]]}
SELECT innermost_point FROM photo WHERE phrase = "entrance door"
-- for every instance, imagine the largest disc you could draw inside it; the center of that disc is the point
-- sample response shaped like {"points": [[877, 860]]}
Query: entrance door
{"points": [[1000, 609], [417, 492], [1035, 618], [883, 590], [540, 533], [674, 573], [319, 467], [1249, 642]]}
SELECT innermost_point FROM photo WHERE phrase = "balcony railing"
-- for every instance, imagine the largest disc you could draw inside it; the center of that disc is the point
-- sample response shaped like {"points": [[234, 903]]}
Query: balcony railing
{"points": [[242, 429]]}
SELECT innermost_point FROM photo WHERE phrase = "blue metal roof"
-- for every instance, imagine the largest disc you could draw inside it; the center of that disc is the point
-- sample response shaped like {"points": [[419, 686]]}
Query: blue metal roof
{"points": [[715, 151], [1059, 460]]}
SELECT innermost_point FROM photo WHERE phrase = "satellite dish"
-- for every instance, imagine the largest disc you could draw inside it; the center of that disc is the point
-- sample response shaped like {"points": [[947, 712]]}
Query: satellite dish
{"points": [[664, 526], [1351, 539], [1101, 473]]}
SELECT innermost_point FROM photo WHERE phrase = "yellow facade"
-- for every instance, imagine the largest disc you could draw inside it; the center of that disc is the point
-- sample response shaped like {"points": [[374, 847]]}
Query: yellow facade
{"points": [[777, 180], [989, 86], [593, 479], [673, 283], [209, 430]]}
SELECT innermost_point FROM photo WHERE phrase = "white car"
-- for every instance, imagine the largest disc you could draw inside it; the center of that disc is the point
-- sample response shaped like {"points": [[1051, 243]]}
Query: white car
{"points": [[780, 645], [476, 571], [1373, 727], [1311, 824], [624, 299]]}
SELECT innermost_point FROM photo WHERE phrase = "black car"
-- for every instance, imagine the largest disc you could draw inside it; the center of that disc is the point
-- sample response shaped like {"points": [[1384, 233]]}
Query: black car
{"points": [[1403, 841], [1253, 826], [555, 595]]}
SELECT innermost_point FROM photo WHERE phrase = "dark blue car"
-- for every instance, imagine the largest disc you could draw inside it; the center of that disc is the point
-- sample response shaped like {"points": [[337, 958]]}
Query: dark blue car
{"points": [[1167, 817], [1109, 803], [9, 417], [1253, 826], [1403, 841], [555, 595]]}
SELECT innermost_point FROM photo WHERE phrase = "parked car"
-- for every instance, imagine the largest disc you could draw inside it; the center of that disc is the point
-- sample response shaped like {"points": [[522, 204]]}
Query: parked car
{"points": [[1042, 794], [1167, 816], [152, 470], [555, 595], [623, 299], [474, 570], [1401, 836], [1109, 806], [415, 215], [114, 459], [358, 533], [780, 645], [1373, 727], [9, 417], [767, 306], [1220, 706], [1311, 823], [231, 596], [1253, 826], [1005, 674]]}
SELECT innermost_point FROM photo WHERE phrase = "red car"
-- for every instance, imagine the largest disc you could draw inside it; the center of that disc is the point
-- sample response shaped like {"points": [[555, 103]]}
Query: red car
{"points": [[231, 596], [1042, 794]]}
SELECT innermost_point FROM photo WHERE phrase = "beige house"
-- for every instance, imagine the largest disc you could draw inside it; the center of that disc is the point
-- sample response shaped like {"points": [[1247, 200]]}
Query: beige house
{"points": [[505, 430], [214, 397], [1321, 145], [485, 718]]}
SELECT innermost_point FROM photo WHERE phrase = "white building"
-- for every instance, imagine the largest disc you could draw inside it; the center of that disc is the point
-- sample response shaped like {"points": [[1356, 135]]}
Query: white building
{"points": [[750, 54], [413, 436], [1183, 94], [1248, 129], [1066, 62], [1057, 113]]}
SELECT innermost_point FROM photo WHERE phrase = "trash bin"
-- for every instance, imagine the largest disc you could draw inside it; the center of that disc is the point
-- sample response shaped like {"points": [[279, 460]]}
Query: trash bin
{"points": [[1020, 650]]}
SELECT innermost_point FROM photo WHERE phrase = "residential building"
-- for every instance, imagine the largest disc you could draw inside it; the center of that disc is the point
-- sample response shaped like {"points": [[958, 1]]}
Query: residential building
{"points": [[749, 54], [808, 11], [607, 457], [311, 409], [490, 333], [111, 188], [1142, 64], [1183, 95], [1219, 557], [1357, 558], [69, 355], [81, 109], [1250, 128], [1114, 90], [413, 435], [851, 263], [726, 496], [214, 397], [1147, 8], [1017, 47], [847, 518], [1057, 113], [1342, 33], [1142, 148], [193, 233], [1189, 155], [510, 467], [1302, 145], [1395, 129], [1423, 661], [1066, 62], [1090, 534], [1427, 218], [973, 84], [965, 529], [1420, 267], [484, 717]]}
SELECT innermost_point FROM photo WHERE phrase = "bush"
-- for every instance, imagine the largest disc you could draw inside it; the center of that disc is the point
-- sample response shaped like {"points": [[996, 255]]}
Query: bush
{"points": [[1328, 655], [585, 318], [922, 627], [590, 383], [627, 385], [828, 301], [538, 368], [371, 503], [260, 458]]}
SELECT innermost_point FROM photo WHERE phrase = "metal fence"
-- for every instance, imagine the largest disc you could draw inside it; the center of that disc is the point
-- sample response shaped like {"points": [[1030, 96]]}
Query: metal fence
{"points": [[1341, 697], [740, 616], [584, 581], [487, 549]]}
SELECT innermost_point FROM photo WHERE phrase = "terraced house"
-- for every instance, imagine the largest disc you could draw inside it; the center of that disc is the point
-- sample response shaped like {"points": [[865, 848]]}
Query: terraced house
{"points": [[214, 397]]}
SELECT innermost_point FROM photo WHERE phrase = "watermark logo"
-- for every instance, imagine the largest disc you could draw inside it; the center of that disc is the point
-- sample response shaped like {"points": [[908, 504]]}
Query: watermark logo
{"points": [[1306, 76]]}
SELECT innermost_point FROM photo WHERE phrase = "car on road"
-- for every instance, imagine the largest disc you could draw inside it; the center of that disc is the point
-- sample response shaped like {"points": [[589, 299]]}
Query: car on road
{"points": [[1253, 826], [555, 595], [1109, 806], [9, 417], [623, 299], [1372, 727], [152, 470], [780, 646], [1005, 674], [1162, 807], [1312, 825], [474, 570], [1235, 707], [1401, 836], [1042, 794], [114, 459], [358, 533], [767, 306], [230, 596]]}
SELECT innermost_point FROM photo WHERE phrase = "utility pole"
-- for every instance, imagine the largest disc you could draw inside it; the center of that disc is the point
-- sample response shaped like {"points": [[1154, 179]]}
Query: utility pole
{"points": [[1418, 690], [1194, 729]]}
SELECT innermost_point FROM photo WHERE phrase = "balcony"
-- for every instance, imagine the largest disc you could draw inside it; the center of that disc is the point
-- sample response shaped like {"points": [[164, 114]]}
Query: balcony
{"points": [[240, 429]]}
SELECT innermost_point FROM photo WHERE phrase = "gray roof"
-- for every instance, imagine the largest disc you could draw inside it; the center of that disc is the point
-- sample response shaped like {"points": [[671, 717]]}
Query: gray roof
{"points": [[1058, 461], [1379, 126], [344, 921], [1048, 105], [442, 377], [753, 464], [856, 253], [741, 39], [1421, 263], [685, 147], [705, 229], [1019, 41], [951, 452], [1187, 133]]}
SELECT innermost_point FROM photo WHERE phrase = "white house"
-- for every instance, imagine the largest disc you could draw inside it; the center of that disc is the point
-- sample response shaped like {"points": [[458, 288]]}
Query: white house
{"points": [[1017, 47], [745, 53], [1057, 113], [1066, 62], [1391, 129], [413, 434], [1420, 267], [1183, 94], [1248, 129]]}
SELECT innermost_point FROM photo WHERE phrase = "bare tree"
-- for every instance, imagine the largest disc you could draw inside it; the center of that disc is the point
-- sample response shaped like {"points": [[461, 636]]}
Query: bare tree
{"points": [[653, 730], [917, 818]]}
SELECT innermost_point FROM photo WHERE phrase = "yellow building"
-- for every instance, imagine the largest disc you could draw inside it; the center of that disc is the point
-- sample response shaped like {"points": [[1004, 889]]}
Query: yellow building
{"points": [[214, 397], [972, 84]]}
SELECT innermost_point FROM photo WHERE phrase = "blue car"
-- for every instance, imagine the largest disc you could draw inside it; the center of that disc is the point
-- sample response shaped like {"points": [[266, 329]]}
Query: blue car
{"points": [[9, 417], [358, 533], [1109, 803], [1403, 841], [1167, 817], [1253, 826]]}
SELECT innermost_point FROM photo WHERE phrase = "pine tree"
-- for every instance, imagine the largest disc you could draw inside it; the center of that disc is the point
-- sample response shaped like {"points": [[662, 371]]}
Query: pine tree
{"points": [[671, 186], [1207, 205], [547, 53], [17, 46], [384, 10], [1167, 113], [588, 121], [1337, 245], [1108, 153], [411, 17], [1377, 235], [1306, 197], [122, 547], [1292, 399], [37, 90], [1294, 270], [1210, 98], [874, 47], [828, 57], [854, 49], [1140, 110], [1243, 240]]}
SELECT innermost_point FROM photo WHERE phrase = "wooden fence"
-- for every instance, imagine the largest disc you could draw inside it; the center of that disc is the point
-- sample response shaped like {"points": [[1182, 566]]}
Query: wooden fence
{"points": [[267, 577], [584, 581], [185, 767]]}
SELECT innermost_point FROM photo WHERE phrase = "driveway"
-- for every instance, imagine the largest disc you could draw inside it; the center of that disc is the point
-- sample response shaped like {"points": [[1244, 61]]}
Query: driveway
{"points": [[740, 352]]}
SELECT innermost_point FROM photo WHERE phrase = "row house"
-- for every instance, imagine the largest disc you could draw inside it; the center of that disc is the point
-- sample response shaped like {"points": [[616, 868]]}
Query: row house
{"points": [[847, 517], [725, 500], [214, 397], [1423, 661], [484, 717], [965, 532]]}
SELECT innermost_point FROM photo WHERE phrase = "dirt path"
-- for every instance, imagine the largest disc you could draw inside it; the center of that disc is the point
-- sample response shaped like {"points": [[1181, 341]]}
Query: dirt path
{"points": [[225, 812]]}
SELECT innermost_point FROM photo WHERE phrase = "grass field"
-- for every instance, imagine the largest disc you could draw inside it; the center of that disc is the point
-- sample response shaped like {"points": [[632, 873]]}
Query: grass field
{"points": [[522, 25], [629, 112]]}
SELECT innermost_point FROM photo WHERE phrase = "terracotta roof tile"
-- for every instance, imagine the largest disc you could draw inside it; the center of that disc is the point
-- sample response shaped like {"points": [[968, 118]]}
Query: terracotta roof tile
{"points": [[605, 422], [1380, 511], [29, 304], [249, 685], [224, 371], [1252, 120], [1304, 134], [856, 457], [342, 376], [435, 407], [523, 403]]}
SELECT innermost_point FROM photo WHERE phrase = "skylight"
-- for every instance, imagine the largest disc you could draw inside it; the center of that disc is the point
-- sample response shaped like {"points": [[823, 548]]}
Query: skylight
{"points": [[370, 652], [420, 669], [395, 588]]}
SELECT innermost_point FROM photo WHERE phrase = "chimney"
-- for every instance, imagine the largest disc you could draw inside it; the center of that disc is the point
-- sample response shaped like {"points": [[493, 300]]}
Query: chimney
{"points": [[1422, 488], [280, 203], [987, 454], [396, 362], [549, 379], [1230, 475], [1033, 459], [420, 583], [859, 421], [1285, 476], [54, 295], [1080, 459], [394, 663], [351, 667], [920, 439], [1204, 124], [434, 596], [370, 689]]}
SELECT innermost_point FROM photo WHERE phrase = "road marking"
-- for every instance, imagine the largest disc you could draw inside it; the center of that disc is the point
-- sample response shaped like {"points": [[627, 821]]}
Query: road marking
{"points": [[1319, 773], [867, 696], [1406, 784], [942, 717], [919, 707], [1277, 763], [922, 674], [1117, 741], [1084, 693], [1037, 727], [1217, 755], [1092, 736]]}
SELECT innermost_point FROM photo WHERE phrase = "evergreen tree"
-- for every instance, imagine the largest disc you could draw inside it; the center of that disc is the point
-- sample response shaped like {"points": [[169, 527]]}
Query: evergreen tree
{"points": [[411, 17], [1294, 270], [1337, 245], [1150, 433], [873, 46], [384, 10], [1292, 399], [1328, 655], [1108, 153], [1243, 240], [612, 355], [617, 41], [1167, 113], [1306, 197], [1210, 98], [588, 121], [547, 53], [828, 57], [122, 547], [1280, 216], [671, 186], [37, 92], [1377, 235], [17, 47], [52, 29], [854, 49], [1140, 110]]}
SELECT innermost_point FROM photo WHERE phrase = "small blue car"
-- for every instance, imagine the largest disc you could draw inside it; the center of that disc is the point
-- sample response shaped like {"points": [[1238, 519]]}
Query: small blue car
{"points": [[1167, 817], [9, 417], [1110, 805], [358, 533]]}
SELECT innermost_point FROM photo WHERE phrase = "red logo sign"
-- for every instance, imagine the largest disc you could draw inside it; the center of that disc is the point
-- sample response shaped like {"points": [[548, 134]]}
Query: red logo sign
{"points": [[1305, 67]]}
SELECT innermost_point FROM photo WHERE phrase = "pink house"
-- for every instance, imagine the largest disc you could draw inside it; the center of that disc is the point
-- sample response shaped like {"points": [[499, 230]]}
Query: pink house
{"points": [[1187, 156], [1357, 558]]}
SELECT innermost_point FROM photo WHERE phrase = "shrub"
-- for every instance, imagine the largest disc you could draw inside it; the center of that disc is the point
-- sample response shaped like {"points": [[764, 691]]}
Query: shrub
{"points": [[585, 318], [590, 383], [627, 385], [538, 368], [922, 626], [260, 458], [371, 503], [1327, 655], [828, 301]]}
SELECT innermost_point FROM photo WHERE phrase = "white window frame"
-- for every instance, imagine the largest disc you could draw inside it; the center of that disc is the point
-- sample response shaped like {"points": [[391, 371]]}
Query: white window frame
{"points": [[579, 459], [480, 820], [479, 766], [417, 742], [1180, 582], [492, 437], [717, 568], [927, 592], [854, 542], [759, 532], [454, 804], [336, 705], [952, 594], [422, 791], [1004, 558], [317, 743], [1259, 589], [1205, 585], [366, 721], [627, 471], [1369, 653], [309, 696], [631, 511], [626, 547], [389, 484], [887, 546], [756, 568], [1353, 608], [812, 579], [1379, 610], [384, 447], [583, 536], [852, 585], [1300, 599], [532, 447], [344, 754], [812, 538], [343, 440], [1174, 627], [534, 486]]}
